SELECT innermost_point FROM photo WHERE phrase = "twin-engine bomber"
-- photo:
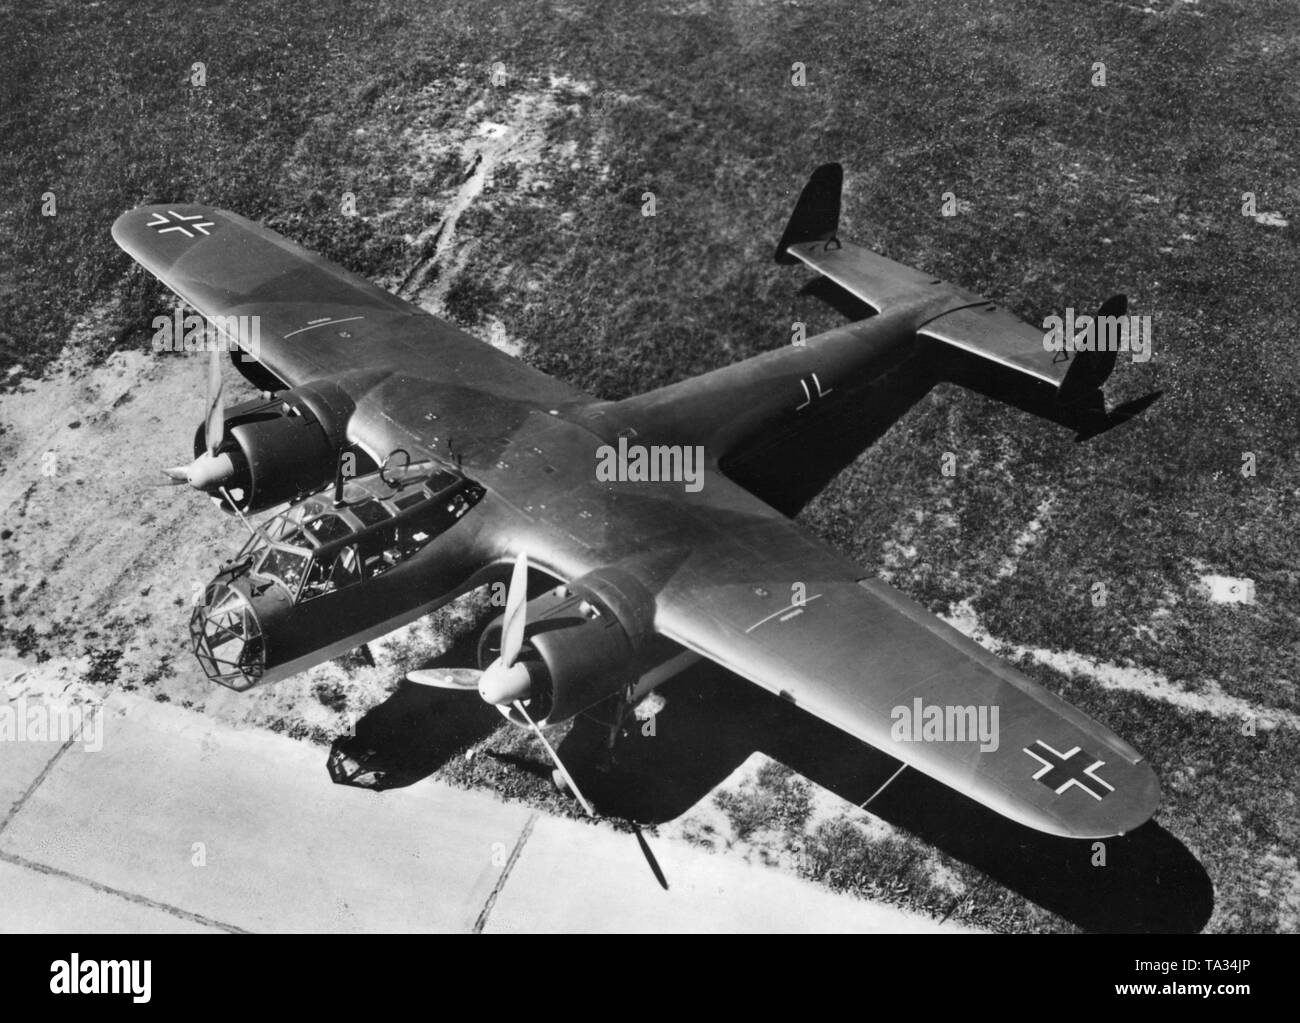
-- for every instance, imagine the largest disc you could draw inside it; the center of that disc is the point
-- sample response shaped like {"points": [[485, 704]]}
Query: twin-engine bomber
{"points": [[418, 463]]}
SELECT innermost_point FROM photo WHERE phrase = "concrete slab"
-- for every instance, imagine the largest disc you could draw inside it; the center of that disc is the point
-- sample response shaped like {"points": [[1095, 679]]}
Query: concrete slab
{"points": [[612, 890], [21, 763], [244, 828], [37, 900], [30, 738], [181, 823]]}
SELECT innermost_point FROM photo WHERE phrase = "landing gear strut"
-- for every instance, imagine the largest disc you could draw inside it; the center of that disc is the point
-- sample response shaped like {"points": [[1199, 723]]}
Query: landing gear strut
{"points": [[620, 708], [612, 715]]}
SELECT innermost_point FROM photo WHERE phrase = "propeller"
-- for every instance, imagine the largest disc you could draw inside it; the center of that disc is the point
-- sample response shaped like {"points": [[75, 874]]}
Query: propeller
{"points": [[512, 629], [463, 679], [507, 681], [559, 764], [210, 471], [215, 422]]}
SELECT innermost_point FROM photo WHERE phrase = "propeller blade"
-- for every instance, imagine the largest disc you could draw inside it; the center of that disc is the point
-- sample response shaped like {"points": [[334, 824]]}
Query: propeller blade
{"points": [[463, 679], [650, 858], [512, 629], [254, 531], [564, 772], [215, 429]]}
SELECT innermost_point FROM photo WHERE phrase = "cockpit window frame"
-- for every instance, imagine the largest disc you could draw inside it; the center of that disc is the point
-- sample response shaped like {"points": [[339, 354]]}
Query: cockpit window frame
{"points": [[305, 554], [446, 498]]}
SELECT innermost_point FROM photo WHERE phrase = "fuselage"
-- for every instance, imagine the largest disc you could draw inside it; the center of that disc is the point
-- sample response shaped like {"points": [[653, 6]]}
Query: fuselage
{"points": [[781, 424]]}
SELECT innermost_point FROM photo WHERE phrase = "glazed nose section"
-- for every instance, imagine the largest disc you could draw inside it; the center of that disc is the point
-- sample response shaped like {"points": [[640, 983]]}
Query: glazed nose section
{"points": [[227, 638]]}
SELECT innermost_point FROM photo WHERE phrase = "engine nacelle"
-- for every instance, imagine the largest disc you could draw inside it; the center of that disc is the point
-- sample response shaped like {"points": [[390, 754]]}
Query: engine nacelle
{"points": [[584, 643], [284, 447]]}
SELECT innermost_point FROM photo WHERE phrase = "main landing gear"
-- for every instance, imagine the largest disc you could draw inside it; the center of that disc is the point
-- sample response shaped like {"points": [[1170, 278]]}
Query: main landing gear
{"points": [[612, 716]]}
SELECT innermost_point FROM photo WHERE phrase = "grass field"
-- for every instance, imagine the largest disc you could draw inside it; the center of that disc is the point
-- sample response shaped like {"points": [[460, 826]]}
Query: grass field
{"points": [[1069, 192]]}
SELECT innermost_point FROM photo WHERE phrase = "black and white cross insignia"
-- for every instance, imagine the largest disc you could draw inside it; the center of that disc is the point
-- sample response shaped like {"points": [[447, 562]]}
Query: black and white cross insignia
{"points": [[1062, 770], [180, 222]]}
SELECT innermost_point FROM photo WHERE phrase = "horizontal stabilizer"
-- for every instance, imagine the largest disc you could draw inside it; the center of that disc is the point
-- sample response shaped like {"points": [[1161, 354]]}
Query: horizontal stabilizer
{"points": [[811, 238], [980, 344], [996, 335], [870, 277]]}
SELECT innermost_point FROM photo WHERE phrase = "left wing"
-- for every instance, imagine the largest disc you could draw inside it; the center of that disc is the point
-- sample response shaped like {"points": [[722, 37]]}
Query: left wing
{"points": [[314, 317], [756, 595]]}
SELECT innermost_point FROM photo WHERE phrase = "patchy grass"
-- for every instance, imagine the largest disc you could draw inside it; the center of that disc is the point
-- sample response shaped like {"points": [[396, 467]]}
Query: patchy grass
{"points": [[777, 799], [1074, 192]]}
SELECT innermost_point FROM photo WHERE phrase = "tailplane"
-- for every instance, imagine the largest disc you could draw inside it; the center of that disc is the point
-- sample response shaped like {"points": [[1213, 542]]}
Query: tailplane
{"points": [[975, 342]]}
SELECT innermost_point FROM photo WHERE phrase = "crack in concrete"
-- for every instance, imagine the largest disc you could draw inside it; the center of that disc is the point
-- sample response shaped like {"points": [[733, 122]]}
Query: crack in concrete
{"points": [[524, 835], [135, 897], [21, 801]]}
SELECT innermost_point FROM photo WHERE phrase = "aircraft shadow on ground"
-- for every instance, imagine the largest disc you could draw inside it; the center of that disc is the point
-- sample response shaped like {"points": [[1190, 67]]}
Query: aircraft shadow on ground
{"points": [[418, 729], [714, 721], [415, 731]]}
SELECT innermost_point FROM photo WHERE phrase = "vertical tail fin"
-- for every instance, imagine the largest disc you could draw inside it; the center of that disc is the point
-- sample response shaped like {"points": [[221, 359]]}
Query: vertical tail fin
{"points": [[816, 215], [1089, 370]]}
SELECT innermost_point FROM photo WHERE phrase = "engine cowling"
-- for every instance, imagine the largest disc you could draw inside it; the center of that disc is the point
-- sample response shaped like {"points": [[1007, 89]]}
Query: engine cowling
{"points": [[283, 447], [583, 643]]}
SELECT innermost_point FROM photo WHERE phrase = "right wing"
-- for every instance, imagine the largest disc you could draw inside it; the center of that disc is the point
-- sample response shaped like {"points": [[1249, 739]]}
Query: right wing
{"points": [[759, 597]]}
